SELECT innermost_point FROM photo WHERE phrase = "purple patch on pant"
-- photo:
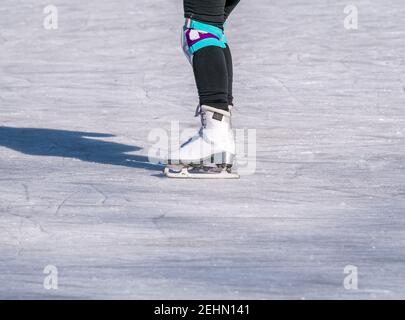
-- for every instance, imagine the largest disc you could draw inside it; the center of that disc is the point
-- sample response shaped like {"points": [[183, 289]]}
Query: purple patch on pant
{"points": [[193, 36]]}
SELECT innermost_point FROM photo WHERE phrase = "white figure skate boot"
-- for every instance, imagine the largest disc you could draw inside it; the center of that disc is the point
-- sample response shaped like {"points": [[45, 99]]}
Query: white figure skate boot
{"points": [[210, 153]]}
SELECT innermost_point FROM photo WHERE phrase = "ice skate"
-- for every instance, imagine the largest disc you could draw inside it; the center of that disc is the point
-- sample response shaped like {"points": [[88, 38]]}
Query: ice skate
{"points": [[210, 154]]}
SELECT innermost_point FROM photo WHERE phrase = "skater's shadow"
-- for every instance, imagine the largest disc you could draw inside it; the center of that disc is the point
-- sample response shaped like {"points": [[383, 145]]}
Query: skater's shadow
{"points": [[85, 146]]}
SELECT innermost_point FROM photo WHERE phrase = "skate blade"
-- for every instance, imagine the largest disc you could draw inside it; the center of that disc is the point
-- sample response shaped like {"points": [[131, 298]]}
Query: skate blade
{"points": [[185, 173]]}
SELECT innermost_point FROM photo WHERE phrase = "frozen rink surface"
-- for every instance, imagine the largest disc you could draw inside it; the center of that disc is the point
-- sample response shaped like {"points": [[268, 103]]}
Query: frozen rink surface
{"points": [[76, 191]]}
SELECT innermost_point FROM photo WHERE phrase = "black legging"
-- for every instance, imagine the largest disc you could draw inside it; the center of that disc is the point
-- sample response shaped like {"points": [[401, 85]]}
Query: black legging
{"points": [[213, 68]]}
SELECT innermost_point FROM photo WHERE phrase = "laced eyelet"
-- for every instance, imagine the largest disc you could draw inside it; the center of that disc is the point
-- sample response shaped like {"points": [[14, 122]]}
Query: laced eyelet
{"points": [[200, 112]]}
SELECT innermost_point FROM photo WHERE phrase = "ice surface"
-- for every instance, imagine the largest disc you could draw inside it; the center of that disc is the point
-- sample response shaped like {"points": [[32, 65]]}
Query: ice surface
{"points": [[76, 191]]}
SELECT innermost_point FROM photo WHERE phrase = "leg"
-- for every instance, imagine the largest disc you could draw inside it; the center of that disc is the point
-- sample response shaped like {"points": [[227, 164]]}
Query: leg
{"points": [[229, 6], [229, 68], [213, 69], [211, 75], [204, 43]]}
